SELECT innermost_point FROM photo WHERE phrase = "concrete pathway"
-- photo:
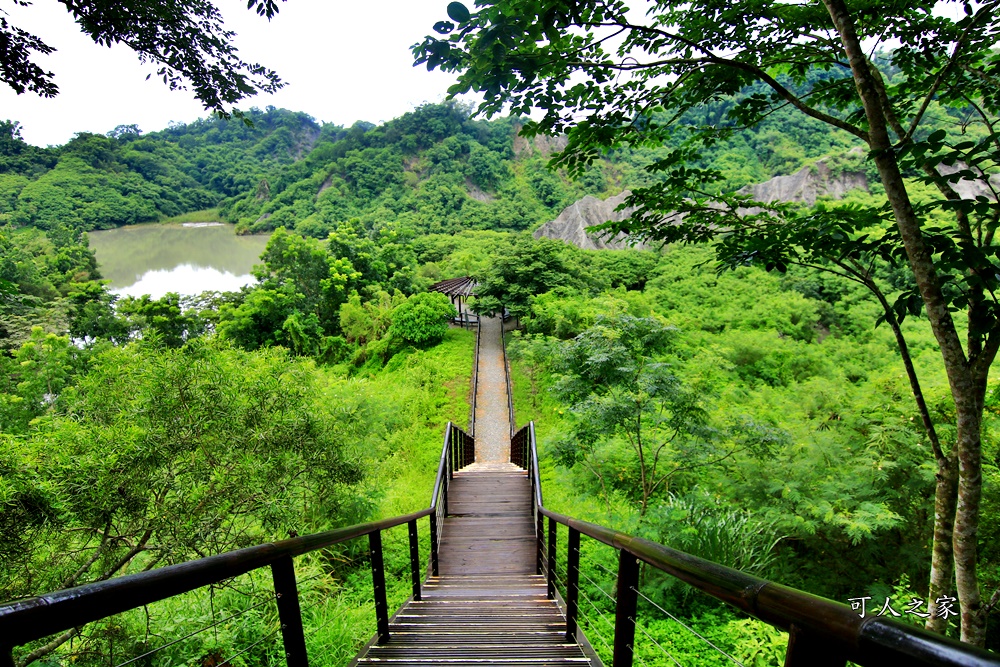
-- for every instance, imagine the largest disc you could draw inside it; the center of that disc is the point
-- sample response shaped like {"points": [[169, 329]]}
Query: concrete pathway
{"points": [[492, 416]]}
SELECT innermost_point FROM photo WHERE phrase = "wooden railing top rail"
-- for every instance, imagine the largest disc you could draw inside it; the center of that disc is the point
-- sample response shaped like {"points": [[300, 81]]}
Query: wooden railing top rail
{"points": [[866, 641], [475, 381], [29, 619], [506, 372], [33, 618]]}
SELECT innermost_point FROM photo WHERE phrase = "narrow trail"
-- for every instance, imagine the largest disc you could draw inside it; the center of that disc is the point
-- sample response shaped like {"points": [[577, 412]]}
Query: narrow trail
{"points": [[492, 417]]}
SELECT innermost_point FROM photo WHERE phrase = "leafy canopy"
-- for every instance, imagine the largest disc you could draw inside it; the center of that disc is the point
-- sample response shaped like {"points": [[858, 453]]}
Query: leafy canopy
{"points": [[185, 38], [423, 318], [521, 270], [613, 76]]}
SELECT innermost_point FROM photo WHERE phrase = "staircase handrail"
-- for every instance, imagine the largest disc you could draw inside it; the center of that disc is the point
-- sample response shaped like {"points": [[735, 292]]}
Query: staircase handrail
{"points": [[821, 631], [475, 381], [506, 374], [33, 618]]}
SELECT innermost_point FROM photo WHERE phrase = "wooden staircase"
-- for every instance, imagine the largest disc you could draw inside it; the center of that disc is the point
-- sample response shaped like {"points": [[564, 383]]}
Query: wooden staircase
{"points": [[487, 606]]}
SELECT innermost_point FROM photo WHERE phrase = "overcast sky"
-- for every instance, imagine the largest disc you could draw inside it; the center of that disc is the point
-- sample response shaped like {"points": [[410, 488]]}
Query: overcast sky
{"points": [[342, 62]]}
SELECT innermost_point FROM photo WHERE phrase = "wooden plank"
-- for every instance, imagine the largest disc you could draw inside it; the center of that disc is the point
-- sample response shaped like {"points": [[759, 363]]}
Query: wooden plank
{"points": [[487, 606]]}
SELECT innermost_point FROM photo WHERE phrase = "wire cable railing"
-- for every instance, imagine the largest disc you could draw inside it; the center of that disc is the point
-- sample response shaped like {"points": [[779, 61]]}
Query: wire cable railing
{"points": [[602, 615], [657, 644], [195, 633], [251, 647], [595, 585], [821, 632], [28, 620], [689, 629]]}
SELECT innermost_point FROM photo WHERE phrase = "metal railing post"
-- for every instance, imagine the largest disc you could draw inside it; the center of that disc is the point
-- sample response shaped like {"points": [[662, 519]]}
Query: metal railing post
{"points": [[552, 559], [540, 541], [414, 557], [807, 649], [434, 544], [627, 600], [287, 595], [378, 586], [444, 497], [572, 582], [451, 451]]}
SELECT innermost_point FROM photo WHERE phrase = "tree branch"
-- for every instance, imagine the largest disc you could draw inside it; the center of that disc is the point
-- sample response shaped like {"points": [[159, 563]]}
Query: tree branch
{"points": [[45, 650]]}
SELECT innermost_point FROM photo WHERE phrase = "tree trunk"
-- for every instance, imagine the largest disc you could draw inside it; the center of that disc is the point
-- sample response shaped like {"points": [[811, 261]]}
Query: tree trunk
{"points": [[946, 484], [968, 414], [968, 409], [942, 555]]}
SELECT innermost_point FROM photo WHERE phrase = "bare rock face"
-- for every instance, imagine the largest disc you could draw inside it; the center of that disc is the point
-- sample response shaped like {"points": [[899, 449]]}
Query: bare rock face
{"points": [[540, 144], [970, 189], [806, 185], [476, 192], [326, 185], [571, 224]]}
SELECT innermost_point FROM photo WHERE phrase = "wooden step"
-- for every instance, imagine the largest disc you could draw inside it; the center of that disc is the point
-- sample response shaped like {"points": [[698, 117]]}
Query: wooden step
{"points": [[487, 606]]}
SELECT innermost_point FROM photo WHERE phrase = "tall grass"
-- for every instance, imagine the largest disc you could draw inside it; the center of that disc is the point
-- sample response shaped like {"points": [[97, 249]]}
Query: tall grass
{"points": [[204, 215]]}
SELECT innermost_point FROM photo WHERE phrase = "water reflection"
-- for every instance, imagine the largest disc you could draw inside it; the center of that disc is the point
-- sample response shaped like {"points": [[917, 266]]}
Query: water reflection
{"points": [[184, 279], [155, 259]]}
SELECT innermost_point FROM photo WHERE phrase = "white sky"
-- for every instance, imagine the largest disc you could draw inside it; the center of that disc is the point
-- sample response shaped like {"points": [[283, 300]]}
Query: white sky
{"points": [[342, 62]]}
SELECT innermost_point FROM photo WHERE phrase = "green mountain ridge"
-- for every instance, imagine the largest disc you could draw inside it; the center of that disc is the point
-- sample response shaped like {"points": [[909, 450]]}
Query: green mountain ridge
{"points": [[431, 170]]}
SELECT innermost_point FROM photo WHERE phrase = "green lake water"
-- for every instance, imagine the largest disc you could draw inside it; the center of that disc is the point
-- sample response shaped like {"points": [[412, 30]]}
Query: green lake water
{"points": [[185, 258]]}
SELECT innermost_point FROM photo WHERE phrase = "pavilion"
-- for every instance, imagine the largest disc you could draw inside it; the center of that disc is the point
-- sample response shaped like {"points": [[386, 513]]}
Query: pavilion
{"points": [[459, 290]]}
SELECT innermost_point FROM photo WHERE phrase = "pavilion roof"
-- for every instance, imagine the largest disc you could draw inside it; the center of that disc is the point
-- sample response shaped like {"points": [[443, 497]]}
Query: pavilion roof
{"points": [[464, 286]]}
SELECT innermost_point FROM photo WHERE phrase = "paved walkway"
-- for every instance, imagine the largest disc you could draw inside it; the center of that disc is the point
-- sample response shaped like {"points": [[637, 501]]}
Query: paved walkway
{"points": [[492, 416]]}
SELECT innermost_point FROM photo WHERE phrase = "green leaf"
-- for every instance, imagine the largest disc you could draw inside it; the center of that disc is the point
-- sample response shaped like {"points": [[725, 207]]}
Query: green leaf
{"points": [[458, 13]]}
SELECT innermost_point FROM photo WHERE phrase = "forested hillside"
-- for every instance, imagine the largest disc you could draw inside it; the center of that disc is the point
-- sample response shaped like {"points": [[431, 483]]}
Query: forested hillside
{"points": [[431, 170], [126, 177]]}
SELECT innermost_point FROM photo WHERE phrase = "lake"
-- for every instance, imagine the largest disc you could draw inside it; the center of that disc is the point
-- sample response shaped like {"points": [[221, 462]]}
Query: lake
{"points": [[187, 258]]}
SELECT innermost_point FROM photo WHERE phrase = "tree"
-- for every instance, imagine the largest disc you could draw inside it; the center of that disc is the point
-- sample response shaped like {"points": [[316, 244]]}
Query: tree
{"points": [[533, 352], [164, 318], [422, 319], [185, 38], [163, 455], [612, 77], [617, 390], [364, 322], [306, 270], [520, 271]]}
